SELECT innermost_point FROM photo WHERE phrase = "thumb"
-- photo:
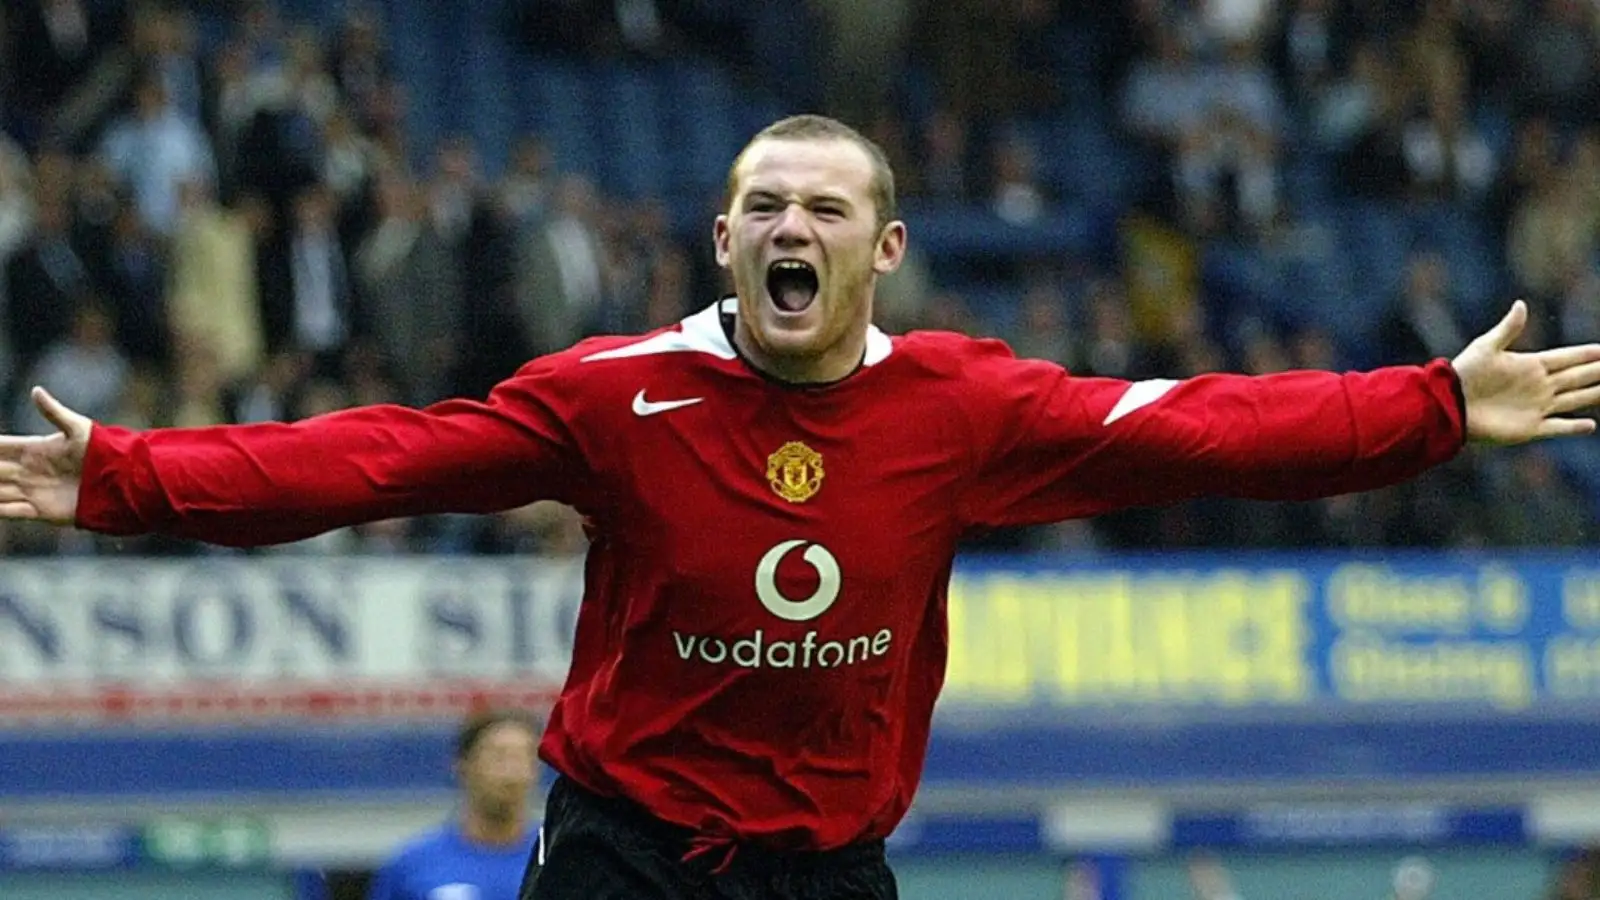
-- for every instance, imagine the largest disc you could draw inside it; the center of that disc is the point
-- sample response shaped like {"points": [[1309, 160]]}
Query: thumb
{"points": [[70, 423], [1508, 329]]}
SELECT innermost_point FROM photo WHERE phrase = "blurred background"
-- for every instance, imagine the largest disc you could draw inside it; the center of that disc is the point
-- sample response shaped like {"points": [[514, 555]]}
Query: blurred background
{"points": [[237, 211]]}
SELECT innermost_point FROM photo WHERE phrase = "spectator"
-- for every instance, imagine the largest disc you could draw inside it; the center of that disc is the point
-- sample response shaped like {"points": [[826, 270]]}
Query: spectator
{"points": [[1559, 62], [271, 394], [410, 286], [1423, 322], [349, 160], [135, 279], [44, 279], [1017, 196], [198, 389], [1532, 163], [214, 301], [52, 46], [1308, 48], [1533, 506], [1226, 175], [1043, 332], [1110, 346], [562, 281], [1554, 233], [84, 366], [525, 190], [163, 40], [1446, 156], [1165, 95], [154, 150], [1356, 102], [360, 64], [16, 222], [308, 297]]}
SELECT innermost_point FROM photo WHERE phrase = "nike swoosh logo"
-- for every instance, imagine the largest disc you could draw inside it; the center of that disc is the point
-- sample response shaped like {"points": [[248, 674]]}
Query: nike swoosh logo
{"points": [[643, 407]]}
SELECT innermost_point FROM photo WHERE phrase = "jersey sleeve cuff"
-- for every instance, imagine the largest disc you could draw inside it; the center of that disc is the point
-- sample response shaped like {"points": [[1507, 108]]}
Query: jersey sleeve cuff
{"points": [[118, 493], [1458, 395]]}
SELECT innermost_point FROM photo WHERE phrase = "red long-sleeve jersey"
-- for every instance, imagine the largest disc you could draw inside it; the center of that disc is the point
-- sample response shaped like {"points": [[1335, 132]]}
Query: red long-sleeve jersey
{"points": [[763, 633]]}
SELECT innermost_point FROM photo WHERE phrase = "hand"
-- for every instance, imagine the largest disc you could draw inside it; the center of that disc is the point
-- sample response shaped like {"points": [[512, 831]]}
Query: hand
{"points": [[39, 476], [1514, 397]]}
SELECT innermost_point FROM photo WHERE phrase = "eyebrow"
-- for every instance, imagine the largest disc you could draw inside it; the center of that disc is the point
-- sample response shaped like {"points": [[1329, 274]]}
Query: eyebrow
{"points": [[835, 199]]}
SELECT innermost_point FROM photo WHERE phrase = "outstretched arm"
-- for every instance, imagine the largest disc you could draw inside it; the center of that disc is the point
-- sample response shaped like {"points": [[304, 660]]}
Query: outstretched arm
{"points": [[1053, 447], [250, 485]]}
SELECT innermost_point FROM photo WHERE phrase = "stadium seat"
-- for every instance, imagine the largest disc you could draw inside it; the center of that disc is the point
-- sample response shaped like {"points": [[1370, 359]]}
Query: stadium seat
{"points": [[556, 104], [630, 112], [705, 133], [966, 231]]}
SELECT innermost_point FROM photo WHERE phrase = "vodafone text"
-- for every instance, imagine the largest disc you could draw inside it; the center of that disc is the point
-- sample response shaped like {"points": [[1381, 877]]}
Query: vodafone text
{"points": [[757, 650]]}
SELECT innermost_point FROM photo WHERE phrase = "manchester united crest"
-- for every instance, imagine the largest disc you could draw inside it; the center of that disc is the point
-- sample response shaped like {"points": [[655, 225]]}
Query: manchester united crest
{"points": [[795, 472]]}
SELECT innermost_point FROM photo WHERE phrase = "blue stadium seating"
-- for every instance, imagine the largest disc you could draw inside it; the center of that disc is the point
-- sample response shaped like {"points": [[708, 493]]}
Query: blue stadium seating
{"points": [[634, 133]]}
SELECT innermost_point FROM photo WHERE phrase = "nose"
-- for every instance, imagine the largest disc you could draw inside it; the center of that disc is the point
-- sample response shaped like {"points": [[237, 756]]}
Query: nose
{"points": [[793, 229]]}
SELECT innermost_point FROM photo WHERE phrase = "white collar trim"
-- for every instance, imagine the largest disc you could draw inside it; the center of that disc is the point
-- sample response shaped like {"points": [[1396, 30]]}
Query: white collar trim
{"points": [[699, 333], [703, 333]]}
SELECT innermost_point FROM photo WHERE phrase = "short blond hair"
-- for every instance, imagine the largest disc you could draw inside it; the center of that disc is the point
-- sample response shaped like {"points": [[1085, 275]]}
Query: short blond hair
{"points": [[821, 128]]}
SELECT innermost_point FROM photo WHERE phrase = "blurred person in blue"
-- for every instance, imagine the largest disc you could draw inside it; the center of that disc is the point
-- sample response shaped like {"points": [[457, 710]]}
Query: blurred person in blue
{"points": [[481, 852]]}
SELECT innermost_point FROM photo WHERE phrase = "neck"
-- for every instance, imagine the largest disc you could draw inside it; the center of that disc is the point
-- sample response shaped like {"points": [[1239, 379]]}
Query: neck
{"points": [[831, 365], [482, 829]]}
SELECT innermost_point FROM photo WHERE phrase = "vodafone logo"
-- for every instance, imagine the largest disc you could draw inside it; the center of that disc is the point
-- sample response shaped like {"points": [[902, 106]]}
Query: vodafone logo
{"points": [[763, 649], [827, 591]]}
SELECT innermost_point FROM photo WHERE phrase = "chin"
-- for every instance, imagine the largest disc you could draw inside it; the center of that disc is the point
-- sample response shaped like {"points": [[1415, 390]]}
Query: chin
{"points": [[791, 335]]}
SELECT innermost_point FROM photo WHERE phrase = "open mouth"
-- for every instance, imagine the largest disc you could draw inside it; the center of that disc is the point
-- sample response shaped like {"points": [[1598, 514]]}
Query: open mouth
{"points": [[792, 285]]}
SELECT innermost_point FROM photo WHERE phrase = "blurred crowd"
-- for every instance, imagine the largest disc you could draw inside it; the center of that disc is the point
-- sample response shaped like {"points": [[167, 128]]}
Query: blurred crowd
{"points": [[210, 212], [1245, 115], [242, 235]]}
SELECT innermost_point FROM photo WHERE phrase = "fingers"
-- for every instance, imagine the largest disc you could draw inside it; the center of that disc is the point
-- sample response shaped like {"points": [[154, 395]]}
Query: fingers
{"points": [[1574, 400], [1560, 359], [65, 419], [12, 447], [1555, 428], [1508, 329], [1575, 377], [20, 509], [11, 475]]}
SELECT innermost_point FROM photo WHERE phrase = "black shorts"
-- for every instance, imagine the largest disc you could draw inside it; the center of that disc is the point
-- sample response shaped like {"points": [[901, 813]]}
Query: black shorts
{"points": [[599, 848]]}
